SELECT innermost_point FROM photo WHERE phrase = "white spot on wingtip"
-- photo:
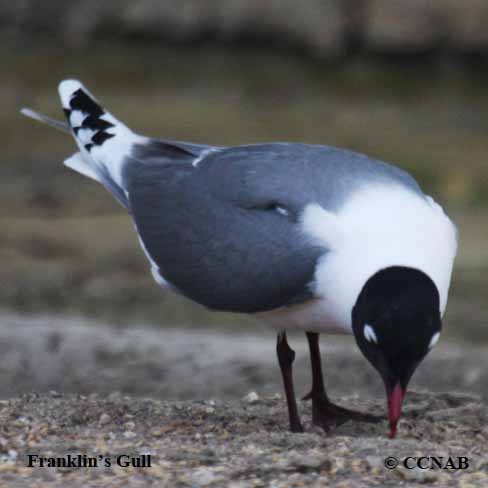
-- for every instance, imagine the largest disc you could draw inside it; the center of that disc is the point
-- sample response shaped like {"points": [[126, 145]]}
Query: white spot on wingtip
{"points": [[66, 89], [282, 210], [76, 118], [85, 135], [434, 340], [370, 334]]}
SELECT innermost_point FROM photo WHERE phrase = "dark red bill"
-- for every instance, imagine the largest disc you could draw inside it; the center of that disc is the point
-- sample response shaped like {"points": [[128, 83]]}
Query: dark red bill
{"points": [[395, 400]]}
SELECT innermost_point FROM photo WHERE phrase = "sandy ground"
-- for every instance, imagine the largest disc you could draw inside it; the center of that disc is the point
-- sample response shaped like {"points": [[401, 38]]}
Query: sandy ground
{"points": [[78, 356], [235, 444], [184, 397]]}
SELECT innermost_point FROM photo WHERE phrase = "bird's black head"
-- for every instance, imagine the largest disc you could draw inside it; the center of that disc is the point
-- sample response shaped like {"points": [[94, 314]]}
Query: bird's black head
{"points": [[396, 321]]}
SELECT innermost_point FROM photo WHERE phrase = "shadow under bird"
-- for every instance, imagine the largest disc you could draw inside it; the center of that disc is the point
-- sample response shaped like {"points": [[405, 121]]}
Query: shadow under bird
{"points": [[305, 237]]}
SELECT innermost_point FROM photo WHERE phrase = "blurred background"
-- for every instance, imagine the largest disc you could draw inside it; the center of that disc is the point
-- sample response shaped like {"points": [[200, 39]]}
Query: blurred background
{"points": [[400, 81]]}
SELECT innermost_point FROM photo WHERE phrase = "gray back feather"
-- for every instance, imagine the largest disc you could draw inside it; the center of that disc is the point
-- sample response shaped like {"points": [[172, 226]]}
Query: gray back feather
{"points": [[215, 231]]}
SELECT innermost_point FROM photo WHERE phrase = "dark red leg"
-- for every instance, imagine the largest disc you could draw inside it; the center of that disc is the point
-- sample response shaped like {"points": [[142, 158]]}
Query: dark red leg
{"points": [[324, 412], [286, 356]]}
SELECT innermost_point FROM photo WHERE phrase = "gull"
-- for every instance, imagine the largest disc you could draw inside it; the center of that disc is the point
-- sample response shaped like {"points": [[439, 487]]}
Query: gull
{"points": [[303, 237]]}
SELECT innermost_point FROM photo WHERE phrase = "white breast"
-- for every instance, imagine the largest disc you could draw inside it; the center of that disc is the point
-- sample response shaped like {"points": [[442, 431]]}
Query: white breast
{"points": [[378, 227]]}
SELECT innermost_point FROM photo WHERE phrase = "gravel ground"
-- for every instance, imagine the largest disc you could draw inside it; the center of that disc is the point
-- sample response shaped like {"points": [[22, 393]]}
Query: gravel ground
{"points": [[238, 444], [214, 417]]}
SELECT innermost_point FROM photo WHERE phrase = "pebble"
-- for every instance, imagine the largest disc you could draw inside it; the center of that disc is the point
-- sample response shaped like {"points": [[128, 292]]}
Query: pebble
{"points": [[10, 456], [203, 477], [467, 484], [376, 463], [157, 432], [104, 419], [312, 460], [251, 397], [417, 474]]}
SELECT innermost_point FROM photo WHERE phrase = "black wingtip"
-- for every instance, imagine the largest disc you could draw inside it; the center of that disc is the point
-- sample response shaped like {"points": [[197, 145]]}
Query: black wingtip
{"points": [[82, 102]]}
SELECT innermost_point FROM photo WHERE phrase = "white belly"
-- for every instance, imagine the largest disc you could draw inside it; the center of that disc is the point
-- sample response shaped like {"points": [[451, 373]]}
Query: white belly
{"points": [[309, 316]]}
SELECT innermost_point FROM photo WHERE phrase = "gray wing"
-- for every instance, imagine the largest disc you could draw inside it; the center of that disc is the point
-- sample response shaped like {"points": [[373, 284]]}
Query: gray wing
{"points": [[226, 233], [296, 174]]}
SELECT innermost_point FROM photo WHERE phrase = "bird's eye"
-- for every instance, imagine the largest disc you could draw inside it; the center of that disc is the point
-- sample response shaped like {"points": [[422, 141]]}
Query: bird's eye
{"points": [[434, 340], [370, 334]]}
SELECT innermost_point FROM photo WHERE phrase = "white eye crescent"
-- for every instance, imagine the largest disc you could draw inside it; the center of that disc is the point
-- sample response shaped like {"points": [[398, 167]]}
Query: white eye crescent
{"points": [[369, 334], [434, 340]]}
